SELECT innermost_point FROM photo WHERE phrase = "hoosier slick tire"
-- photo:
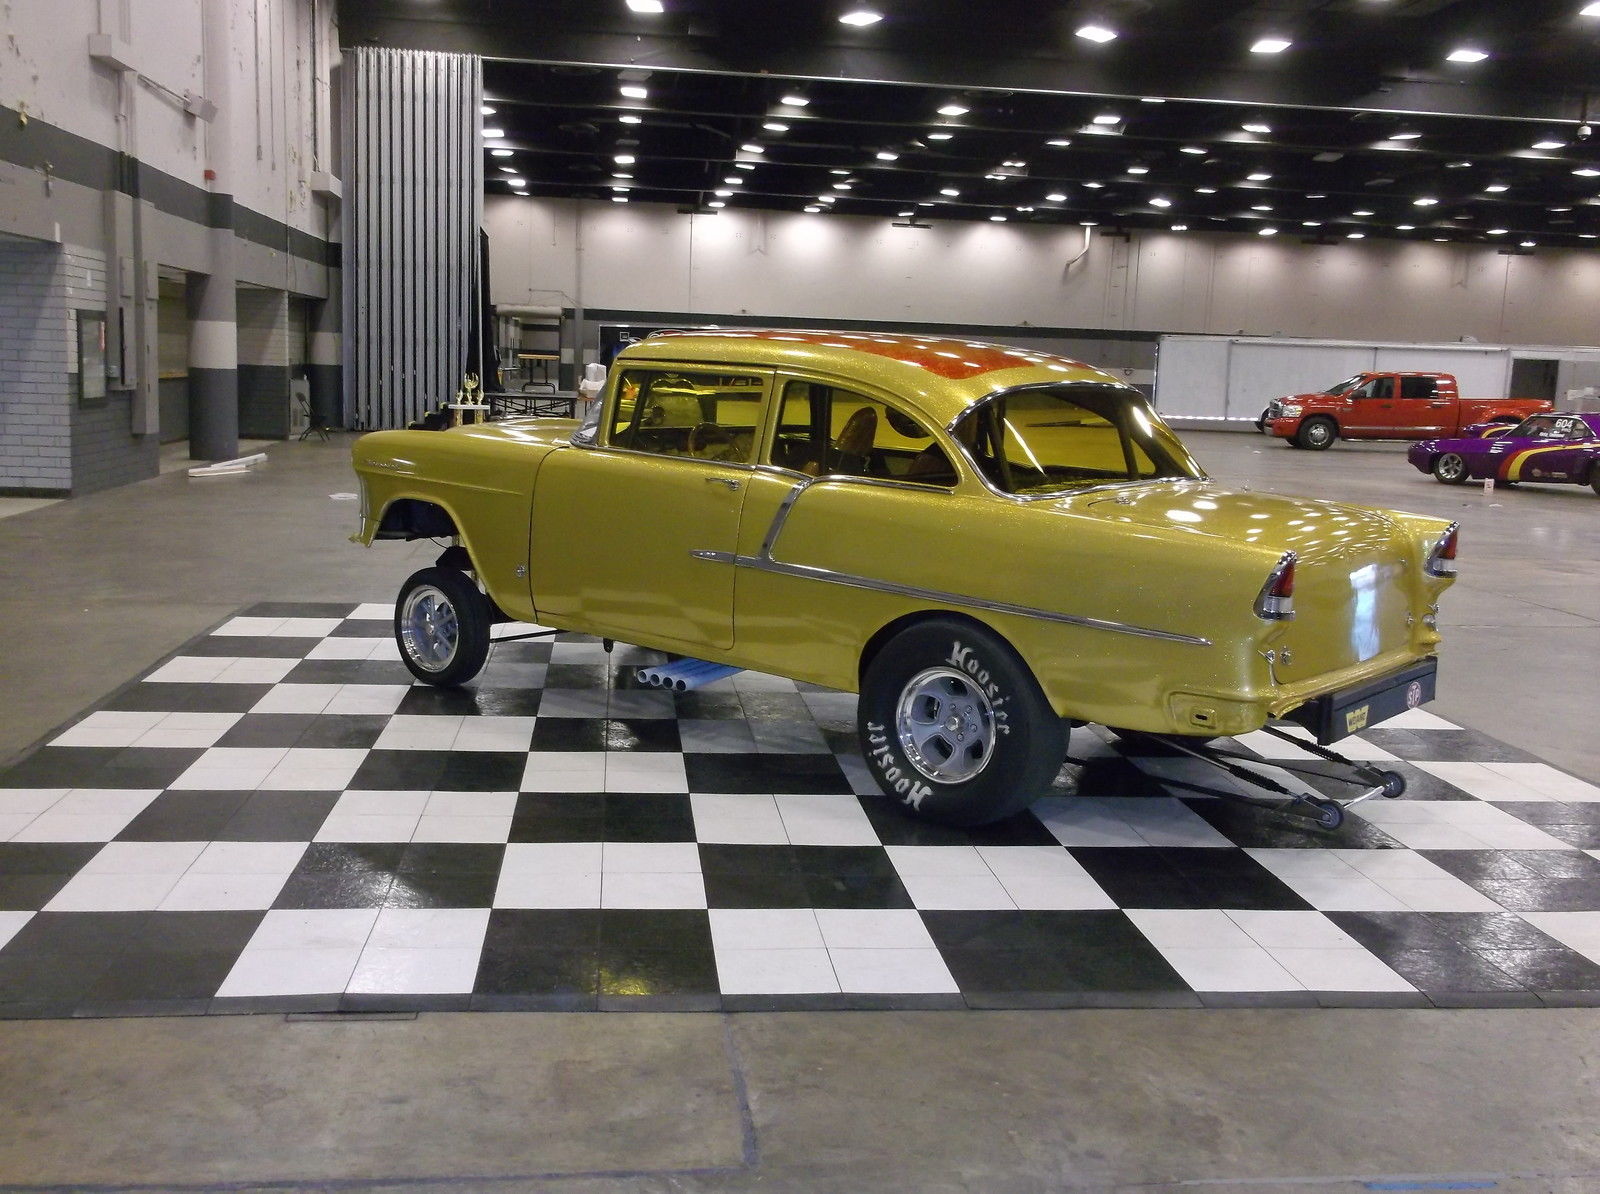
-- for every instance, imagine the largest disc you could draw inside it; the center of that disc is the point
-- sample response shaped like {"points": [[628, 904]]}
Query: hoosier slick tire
{"points": [[954, 727]]}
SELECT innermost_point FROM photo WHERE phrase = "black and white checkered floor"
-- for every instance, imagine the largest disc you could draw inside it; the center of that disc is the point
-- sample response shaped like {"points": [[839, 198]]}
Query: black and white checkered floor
{"points": [[277, 819]]}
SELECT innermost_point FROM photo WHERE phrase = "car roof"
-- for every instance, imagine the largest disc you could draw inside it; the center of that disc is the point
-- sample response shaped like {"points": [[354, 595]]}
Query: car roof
{"points": [[943, 376]]}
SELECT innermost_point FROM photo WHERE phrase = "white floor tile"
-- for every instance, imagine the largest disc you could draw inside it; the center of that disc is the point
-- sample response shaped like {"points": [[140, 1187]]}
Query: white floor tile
{"points": [[231, 768], [298, 971], [305, 627], [491, 829], [247, 626], [13, 823], [1419, 719], [551, 889], [1276, 930], [344, 648], [573, 702], [429, 928], [414, 971], [470, 804], [382, 803], [373, 611], [1060, 895], [1248, 968], [248, 858], [630, 703], [564, 771], [345, 827], [28, 802], [645, 772], [650, 857], [189, 669], [652, 890], [1076, 821], [368, 698], [938, 860], [296, 698], [957, 892], [144, 858], [775, 972], [495, 733], [314, 769], [1447, 894], [256, 670], [60, 827], [826, 821], [765, 928], [872, 928], [1576, 930], [216, 893], [11, 924], [737, 819], [1189, 928], [551, 858], [413, 732], [892, 971], [188, 730], [109, 728], [1558, 785], [1478, 780], [1339, 970], [112, 893], [314, 928]]}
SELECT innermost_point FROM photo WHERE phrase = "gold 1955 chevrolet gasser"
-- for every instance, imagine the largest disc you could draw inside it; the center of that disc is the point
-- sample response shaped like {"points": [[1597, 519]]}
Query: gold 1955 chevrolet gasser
{"points": [[989, 544]]}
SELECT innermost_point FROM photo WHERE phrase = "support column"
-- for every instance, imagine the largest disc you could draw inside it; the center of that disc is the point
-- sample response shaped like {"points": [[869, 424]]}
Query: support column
{"points": [[213, 313], [325, 371]]}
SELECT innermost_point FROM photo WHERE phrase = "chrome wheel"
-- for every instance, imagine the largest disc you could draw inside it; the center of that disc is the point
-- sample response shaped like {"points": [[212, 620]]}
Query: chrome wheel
{"points": [[945, 725], [1450, 469], [430, 631]]}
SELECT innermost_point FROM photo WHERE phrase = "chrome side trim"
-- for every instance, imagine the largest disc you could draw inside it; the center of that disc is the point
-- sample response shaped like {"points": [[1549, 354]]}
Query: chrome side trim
{"points": [[765, 563]]}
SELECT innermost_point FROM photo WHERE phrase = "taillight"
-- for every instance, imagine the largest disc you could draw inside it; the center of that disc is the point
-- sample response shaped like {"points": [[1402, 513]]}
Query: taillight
{"points": [[1275, 602], [1442, 559]]}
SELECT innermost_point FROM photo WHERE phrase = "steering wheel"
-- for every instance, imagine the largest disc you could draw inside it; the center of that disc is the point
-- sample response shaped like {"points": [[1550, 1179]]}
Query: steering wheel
{"points": [[712, 441]]}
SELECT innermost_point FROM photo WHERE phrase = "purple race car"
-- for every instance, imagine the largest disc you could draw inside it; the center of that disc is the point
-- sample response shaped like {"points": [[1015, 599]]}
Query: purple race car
{"points": [[1552, 447]]}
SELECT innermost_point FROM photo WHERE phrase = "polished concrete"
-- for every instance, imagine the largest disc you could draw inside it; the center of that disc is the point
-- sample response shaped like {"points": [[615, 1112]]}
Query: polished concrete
{"points": [[98, 589]]}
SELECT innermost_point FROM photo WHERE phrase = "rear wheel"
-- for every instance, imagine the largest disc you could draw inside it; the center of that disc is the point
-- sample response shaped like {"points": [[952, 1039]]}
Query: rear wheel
{"points": [[1317, 433], [1449, 468], [954, 727], [1594, 476], [441, 622]]}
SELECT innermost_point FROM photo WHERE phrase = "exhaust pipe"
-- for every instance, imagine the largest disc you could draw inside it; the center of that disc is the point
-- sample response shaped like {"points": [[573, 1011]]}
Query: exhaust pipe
{"points": [[683, 674]]}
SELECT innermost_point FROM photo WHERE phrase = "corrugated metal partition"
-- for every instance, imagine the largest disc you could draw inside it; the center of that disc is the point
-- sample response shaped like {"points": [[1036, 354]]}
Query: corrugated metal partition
{"points": [[412, 209]]}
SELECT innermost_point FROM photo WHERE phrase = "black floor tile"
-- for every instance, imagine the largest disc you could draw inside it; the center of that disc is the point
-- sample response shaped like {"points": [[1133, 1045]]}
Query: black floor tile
{"points": [[1281, 829], [351, 858], [513, 929], [299, 609], [30, 892], [1068, 969], [161, 975], [481, 771], [685, 930], [765, 773], [708, 706], [774, 706], [647, 817], [269, 729], [442, 889], [344, 731], [99, 933], [754, 889], [185, 816], [640, 734], [279, 817], [37, 858], [569, 733], [189, 698], [188, 932], [313, 890], [825, 890], [59, 767], [1553, 969], [146, 767], [1035, 932], [49, 977], [1452, 971], [476, 857], [519, 970], [894, 828], [348, 671], [1383, 933], [505, 702], [247, 646], [1227, 878], [405, 771], [1542, 895], [1482, 931], [627, 969]]}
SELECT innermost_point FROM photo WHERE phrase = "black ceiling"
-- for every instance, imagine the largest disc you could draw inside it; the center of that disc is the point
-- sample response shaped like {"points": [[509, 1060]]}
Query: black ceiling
{"points": [[1358, 73]]}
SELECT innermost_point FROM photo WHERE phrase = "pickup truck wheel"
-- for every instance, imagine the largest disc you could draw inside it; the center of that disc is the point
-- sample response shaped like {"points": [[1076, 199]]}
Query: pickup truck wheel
{"points": [[441, 622], [1449, 468], [1317, 434], [954, 726]]}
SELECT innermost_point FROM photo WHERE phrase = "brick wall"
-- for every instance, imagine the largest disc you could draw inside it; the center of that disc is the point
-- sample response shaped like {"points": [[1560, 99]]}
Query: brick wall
{"points": [[105, 452], [35, 390]]}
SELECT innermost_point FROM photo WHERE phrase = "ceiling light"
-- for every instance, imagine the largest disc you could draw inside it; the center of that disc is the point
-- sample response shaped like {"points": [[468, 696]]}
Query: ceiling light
{"points": [[813, 208], [744, 165], [1180, 227], [939, 136], [1528, 244], [998, 219], [795, 101], [1258, 177], [1196, 149], [1319, 195], [507, 169], [623, 159], [1495, 188], [752, 147], [516, 182], [524, 194], [994, 177], [722, 194], [1015, 164], [1588, 235], [1107, 118], [1465, 54], [1138, 170], [1462, 165], [842, 186], [649, 7], [1088, 223], [860, 17], [1311, 223], [1271, 45], [499, 153], [1255, 126], [1097, 33], [633, 91], [1094, 186], [493, 134], [1549, 143], [1404, 135], [1587, 172], [1205, 190], [733, 180], [953, 109], [775, 126], [884, 155], [716, 203], [909, 212], [1059, 143], [950, 192], [485, 110], [1362, 212], [1405, 227], [619, 188], [1266, 232], [1560, 209], [827, 198], [1055, 197], [1159, 202], [630, 118], [1151, 99], [1355, 236], [1024, 209], [1589, 10], [1261, 207], [621, 174], [839, 173], [1498, 231], [1424, 202]]}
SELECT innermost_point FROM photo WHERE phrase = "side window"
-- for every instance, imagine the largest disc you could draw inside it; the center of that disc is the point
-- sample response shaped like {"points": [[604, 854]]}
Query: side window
{"points": [[827, 430], [1417, 387], [707, 416]]}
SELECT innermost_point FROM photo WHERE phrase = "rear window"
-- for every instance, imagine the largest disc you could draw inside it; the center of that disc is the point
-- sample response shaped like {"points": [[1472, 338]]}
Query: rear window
{"points": [[1055, 439]]}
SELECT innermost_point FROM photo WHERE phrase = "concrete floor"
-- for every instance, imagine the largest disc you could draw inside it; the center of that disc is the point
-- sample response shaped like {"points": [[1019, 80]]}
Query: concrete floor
{"points": [[99, 588]]}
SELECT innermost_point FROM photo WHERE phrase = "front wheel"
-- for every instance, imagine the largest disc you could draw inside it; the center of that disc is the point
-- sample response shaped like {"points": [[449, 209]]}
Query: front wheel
{"points": [[1449, 469], [954, 726], [441, 622], [1317, 434]]}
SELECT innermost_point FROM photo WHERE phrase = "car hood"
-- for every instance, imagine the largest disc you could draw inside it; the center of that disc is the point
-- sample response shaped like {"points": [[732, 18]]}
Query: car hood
{"points": [[1312, 529]]}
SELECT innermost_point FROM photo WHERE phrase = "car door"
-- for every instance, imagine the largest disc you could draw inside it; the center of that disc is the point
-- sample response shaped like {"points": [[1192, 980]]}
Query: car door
{"points": [[1372, 410], [617, 524], [1420, 409]]}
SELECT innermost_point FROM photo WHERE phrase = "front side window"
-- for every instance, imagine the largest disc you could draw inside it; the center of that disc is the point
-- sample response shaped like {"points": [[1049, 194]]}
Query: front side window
{"points": [[1056, 439], [826, 430], [668, 412], [1378, 387]]}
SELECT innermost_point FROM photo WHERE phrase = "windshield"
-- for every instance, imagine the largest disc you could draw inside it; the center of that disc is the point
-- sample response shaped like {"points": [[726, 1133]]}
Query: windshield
{"points": [[1345, 384], [1041, 440]]}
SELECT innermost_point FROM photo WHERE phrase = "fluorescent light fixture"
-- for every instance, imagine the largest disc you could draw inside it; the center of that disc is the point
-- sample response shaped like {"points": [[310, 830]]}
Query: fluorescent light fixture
{"points": [[1589, 10], [722, 194], [1465, 54], [744, 165], [752, 147], [619, 198], [1425, 201], [950, 192], [1160, 202], [1362, 212], [1256, 126], [1055, 197], [633, 91], [827, 198], [1258, 176], [1180, 227], [1588, 235], [1013, 162], [507, 169], [1094, 186], [1405, 135], [493, 134], [884, 155], [1205, 190], [623, 159], [733, 180], [1461, 165], [649, 7], [620, 174], [1496, 188], [839, 173], [1151, 99], [1316, 196], [860, 17], [907, 213], [1587, 172], [1024, 209], [812, 208], [1355, 236], [524, 194], [1271, 45], [1498, 231], [485, 110], [995, 177], [843, 186], [1138, 170], [516, 182], [1405, 227], [630, 118], [795, 101], [1266, 232], [1059, 142], [619, 189], [499, 153], [775, 126], [1194, 149], [1528, 244], [716, 203], [1261, 207], [1311, 223], [1107, 118], [1549, 143], [940, 136], [1096, 33], [998, 219], [953, 109], [1088, 223]]}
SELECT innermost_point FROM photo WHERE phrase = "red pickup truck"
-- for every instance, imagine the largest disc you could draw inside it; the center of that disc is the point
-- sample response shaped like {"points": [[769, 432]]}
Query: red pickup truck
{"points": [[1387, 406]]}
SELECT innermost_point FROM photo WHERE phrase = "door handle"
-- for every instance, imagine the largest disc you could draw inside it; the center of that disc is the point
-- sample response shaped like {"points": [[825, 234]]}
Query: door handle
{"points": [[728, 481]]}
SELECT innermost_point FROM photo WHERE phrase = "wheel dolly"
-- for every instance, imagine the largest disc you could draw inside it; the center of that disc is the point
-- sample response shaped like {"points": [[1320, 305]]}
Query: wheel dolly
{"points": [[1327, 812]]}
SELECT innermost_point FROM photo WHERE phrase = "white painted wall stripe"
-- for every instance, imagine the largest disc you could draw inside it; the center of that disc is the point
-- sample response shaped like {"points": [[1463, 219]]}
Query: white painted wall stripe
{"points": [[213, 344]]}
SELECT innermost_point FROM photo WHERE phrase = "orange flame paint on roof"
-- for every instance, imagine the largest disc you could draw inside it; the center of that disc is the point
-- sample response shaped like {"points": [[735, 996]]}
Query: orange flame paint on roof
{"points": [[954, 359]]}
